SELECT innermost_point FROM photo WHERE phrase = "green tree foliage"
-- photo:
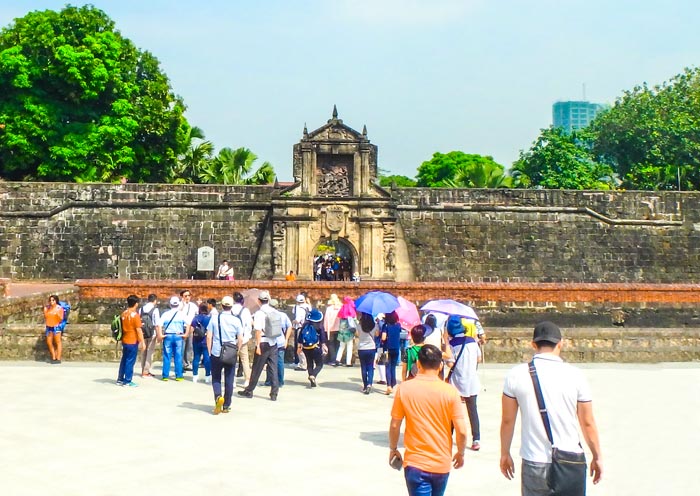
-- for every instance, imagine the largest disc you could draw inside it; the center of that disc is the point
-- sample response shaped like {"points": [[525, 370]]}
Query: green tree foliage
{"points": [[652, 135], [236, 167], [459, 169], [395, 179], [80, 103], [191, 164], [558, 160]]}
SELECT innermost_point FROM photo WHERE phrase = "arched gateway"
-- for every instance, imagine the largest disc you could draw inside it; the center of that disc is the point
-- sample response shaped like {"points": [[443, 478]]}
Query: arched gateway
{"points": [[335, 198]]}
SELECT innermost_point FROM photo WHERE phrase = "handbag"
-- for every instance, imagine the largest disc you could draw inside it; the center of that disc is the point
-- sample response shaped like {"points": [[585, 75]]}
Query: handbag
{"points": [[567, 474], [229, 350]]}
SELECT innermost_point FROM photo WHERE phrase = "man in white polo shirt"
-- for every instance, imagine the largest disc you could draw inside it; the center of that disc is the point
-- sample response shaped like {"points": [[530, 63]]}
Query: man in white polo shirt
{"points": [[567, 399]]}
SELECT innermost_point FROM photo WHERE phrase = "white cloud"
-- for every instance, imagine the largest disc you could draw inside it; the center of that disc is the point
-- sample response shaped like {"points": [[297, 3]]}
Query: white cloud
{"points": [[403, 12]]}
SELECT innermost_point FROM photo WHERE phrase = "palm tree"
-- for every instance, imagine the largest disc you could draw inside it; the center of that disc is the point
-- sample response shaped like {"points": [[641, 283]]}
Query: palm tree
{"points": [[195, 159], [479, 175], [235, 167]]}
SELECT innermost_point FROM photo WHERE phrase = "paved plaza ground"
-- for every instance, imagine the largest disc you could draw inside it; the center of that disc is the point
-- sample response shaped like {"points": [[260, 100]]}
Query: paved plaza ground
{"points": [[68, 430]]}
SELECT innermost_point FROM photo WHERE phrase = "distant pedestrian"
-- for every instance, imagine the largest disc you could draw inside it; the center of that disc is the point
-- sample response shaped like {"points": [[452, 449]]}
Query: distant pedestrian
{"points": [[366, 350], [347, 328], [247, 321], [150, 316], [132, 342], [331, 323], [465, 354], [267, 326], [312, 342], [188, 309], [299, 313], [53, 315], [282, 340], [172, 331], [409, 366], [554, 399], [431, 409], [225, 328], [391, 344], [290, 276], [199, 343], [224, 272]]}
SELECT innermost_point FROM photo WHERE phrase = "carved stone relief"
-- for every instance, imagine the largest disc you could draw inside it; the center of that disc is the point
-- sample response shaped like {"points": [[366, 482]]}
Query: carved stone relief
{"points": [[334, 180]]}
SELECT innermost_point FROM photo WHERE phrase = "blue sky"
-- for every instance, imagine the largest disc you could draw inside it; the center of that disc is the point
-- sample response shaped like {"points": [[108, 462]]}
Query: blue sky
{"points": [[423, 75]]}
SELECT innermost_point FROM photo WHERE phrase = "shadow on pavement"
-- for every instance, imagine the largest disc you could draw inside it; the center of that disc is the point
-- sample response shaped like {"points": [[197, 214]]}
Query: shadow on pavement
{"points": [[194, 406], [104, 380], [379, 438]]}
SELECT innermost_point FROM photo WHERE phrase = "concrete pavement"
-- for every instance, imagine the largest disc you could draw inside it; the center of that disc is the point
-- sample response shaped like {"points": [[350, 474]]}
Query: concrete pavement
{"points": [[68, 430]]}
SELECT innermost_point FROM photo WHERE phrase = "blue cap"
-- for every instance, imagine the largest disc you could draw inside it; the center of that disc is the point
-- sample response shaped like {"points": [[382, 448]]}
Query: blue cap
{"points": [[454, 325], [315, 316]]}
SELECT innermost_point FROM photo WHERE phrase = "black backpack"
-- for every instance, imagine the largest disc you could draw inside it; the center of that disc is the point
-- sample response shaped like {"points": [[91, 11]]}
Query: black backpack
{"points": [[147, 325], [198, 329]]}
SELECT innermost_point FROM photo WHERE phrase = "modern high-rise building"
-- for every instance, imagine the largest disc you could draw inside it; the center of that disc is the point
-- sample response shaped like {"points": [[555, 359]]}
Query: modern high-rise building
{"points": [[574, 114]]}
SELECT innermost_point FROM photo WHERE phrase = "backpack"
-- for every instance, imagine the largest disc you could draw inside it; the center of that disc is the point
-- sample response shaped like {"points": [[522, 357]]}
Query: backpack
{"points": [[273, 324], [116, 327], [66, 310], [147, 325], [412, 361], [308, 336], [198, 330]]}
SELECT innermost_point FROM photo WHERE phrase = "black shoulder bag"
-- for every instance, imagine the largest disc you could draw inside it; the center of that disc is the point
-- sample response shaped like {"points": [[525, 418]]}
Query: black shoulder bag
{"points": [[567, 474], [229, 350]]}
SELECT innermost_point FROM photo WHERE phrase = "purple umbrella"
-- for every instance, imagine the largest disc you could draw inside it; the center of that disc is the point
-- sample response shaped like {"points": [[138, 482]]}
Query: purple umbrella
{"points": [[450, 307]]}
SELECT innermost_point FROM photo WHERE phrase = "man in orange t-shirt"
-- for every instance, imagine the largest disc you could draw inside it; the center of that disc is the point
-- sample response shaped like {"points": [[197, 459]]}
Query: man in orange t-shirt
{"points": [[430, 407], [132, 341]]}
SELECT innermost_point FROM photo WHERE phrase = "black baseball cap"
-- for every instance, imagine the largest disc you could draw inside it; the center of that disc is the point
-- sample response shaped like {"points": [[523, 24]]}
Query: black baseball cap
{"points": [[546, 331]]}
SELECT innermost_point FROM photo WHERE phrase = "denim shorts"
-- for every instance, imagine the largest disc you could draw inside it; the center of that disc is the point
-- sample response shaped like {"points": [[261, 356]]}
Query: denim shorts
{"points": [[53, 330]]}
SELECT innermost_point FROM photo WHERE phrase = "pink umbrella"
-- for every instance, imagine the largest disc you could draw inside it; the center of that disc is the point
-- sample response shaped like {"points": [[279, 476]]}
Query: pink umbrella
{"points": [[408, 314]]}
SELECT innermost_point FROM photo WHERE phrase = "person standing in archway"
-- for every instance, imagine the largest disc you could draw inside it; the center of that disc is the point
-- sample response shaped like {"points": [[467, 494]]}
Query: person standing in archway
{"points": [[53, 315]]}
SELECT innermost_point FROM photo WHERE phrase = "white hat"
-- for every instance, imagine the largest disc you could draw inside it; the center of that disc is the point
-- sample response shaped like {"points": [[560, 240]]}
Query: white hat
{"points": [[300, 298], [174, 301], [264, 295], [226, 301]]}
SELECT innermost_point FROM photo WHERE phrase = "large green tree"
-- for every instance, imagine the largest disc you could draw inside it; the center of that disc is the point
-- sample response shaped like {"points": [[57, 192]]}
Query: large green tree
{"points": [[651, 136], [236, 167], [561, 160], [79, 102], [459, 169]]}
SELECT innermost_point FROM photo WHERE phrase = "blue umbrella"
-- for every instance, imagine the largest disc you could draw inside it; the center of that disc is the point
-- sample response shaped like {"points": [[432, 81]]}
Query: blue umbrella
{"points": [[376, 302]]}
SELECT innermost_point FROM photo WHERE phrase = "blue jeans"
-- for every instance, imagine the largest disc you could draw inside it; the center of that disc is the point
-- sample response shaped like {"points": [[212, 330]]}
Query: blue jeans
{"points": [[172, 350], [126, 365], [391, 367], [280, 369], [201, 351], [229, 373], [367, 366], [420, 483]]}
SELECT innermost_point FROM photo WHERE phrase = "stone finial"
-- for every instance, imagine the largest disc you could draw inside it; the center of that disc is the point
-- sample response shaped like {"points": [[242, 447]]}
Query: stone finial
{"points": [[306, 131], [364, 130], [335, 112]]}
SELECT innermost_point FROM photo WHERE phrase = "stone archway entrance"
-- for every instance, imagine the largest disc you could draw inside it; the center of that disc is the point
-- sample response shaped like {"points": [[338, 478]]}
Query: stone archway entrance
{"points": [[334, 260]]}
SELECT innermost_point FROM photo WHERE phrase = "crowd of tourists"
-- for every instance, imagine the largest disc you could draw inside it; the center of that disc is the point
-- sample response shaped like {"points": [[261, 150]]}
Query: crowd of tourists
{"points": [[435, 362]]}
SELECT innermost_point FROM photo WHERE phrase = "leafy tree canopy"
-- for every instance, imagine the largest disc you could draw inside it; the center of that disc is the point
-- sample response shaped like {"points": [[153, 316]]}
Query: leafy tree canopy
{"points": [[236, 167], [558, 160], [459, 169], [79, 102], [651, 135], [386, 180]]}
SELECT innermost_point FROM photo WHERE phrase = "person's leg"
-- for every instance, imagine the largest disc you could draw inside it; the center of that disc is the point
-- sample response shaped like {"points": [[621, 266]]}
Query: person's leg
{"points": [[244, 355], [317, 361], [122, 365], [308, 359], [473, 417], [131, 351], [366, 363], [229, 381], [49, 344], [196, 357], [179, 343], [58, 344], [339, 354], [533, 477], [258, 365], [393, 356], [271, 359], [168, 348], [302, 356], [187, 352], [206, 359], [438, 483], [280, 366], [147, 356], [417, 482], [216, 367], [348, 358]]}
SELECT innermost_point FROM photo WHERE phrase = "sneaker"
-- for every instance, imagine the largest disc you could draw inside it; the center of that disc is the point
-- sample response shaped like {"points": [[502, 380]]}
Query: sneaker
{"points": [[226, 409], [245, 393], [146, 374], [335, 364], [195, 378], [218, 405], [207, 379], [131, 384], [119, 383], [368, 390], [312, 380], [388, 391], [179, 379], [476, 446], [299, 368], [273, 397], [383, 383], [164, 379]]}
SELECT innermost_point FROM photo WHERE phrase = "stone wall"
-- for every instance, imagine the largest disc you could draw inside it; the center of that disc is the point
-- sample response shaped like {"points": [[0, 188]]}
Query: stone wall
{"points": [[551, 235], [142, 231]]}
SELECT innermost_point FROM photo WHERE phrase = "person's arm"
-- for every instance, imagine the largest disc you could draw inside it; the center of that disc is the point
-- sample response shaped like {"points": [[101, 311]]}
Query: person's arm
{"points": [[509, 414], [394, 433], [461, 438], [403, 371], [210, 335], [584, 410], [142, 342]]}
